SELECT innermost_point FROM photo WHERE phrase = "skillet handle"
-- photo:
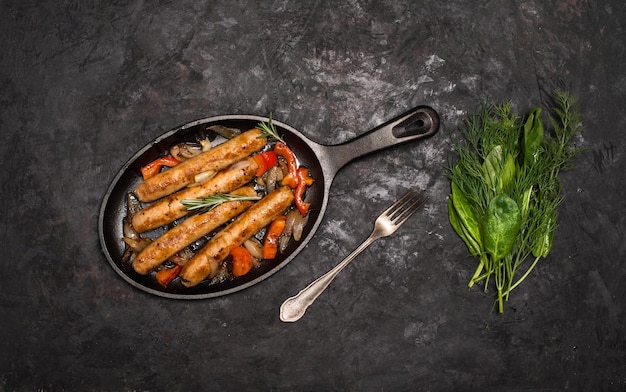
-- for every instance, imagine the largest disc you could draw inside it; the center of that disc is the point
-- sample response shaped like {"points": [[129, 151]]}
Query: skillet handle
{"points": [[418, 123]]}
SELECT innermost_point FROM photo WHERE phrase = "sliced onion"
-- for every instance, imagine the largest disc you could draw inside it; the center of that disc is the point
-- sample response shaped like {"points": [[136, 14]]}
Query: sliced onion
{"points": [[222, 273], [137, 245], [284, 168], [292, 216], [270, 181], [203, 177], [255, 247], [133, 205], [184, 151], [283, 242], [128, 229], [240, 164], [279, 173], [206, 144], [298, 226]]}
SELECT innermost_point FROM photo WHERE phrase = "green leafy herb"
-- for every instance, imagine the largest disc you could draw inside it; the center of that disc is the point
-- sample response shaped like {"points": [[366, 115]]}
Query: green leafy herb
{"points": [[461, 210], [533, 136], [505, 188], [213, 201], [268, 130], [500, 226]]}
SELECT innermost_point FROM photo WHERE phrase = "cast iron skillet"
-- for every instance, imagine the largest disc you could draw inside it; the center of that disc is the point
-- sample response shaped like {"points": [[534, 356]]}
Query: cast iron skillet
{"points": [[323, 161]]}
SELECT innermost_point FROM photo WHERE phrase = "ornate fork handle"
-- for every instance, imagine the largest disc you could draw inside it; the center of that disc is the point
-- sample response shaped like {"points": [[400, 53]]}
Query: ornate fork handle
{"points": [[293, 308]]}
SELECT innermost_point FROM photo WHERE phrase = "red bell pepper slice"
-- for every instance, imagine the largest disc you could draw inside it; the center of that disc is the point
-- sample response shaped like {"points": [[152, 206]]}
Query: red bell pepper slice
{"points": [[265, 160], [153, 168], [241, 260], [291, 179], [270, 245], [165, 276], [304, 180]]}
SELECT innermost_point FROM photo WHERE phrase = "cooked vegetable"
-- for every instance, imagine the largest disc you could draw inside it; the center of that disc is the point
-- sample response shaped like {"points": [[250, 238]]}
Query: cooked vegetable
{"points": [[271, 178], [241, 260], [291, 179], [203, 177], [166, 275], [270, 246], [255, 247], [184, 151], [303, 181], [129, 233], [298, 226], [290, 219], [505, 190], [265, 160], [154, 167], [136, 245]]}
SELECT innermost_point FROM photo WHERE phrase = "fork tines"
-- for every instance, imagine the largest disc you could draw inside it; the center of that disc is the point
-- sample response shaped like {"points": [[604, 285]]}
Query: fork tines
{"points": [[407, 205]]}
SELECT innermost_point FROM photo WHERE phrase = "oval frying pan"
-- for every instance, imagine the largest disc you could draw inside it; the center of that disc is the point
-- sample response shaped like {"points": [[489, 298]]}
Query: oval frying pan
{"points": [[323, 161]]}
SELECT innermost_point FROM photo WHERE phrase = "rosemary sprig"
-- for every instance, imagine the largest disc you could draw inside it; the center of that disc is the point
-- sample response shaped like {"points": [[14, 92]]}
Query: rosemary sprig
{"points": [[269, 131], [213, 201]]}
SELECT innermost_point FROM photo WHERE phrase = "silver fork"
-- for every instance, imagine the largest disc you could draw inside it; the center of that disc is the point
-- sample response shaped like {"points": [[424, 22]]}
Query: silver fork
{"points": [[386, 224]]}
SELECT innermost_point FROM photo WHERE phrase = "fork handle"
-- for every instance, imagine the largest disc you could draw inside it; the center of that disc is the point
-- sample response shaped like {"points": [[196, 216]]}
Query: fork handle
{"points": [[294, 307]]}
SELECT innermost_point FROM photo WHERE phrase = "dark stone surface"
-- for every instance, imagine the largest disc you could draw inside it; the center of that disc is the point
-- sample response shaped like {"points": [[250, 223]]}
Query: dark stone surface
{"points": [[84, 84]]}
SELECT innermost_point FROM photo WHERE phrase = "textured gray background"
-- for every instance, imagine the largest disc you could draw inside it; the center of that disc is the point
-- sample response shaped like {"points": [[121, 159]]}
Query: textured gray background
{"points": [[84, 84]]}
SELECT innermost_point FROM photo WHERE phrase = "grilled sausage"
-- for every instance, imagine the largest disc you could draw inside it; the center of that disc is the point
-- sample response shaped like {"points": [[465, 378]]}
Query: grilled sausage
{"points": [[205, 262], [190, 230], [215, 159], [169, 209]]}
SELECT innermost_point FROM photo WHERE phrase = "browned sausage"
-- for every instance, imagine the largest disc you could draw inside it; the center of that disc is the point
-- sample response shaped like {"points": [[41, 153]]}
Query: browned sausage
{"points": [[169, 209], [261, 214], [188, 231], [215, 159]]}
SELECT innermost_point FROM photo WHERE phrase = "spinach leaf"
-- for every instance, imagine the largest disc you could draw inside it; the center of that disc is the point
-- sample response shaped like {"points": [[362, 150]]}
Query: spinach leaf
{"points": [[500, 226], [465, 213], [492, 166], [533, 136], [455, 221], [544, 235], [508, 174]]}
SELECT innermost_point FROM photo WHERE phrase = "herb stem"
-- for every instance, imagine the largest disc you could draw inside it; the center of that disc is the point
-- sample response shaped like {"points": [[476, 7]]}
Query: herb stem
{"points": [[213, 201], [268, 130], [528, 271], [475, 277]]}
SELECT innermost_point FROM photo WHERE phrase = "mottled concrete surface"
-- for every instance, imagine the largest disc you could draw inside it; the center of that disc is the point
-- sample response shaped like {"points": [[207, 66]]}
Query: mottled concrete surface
{"points": [[84, 84]]}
